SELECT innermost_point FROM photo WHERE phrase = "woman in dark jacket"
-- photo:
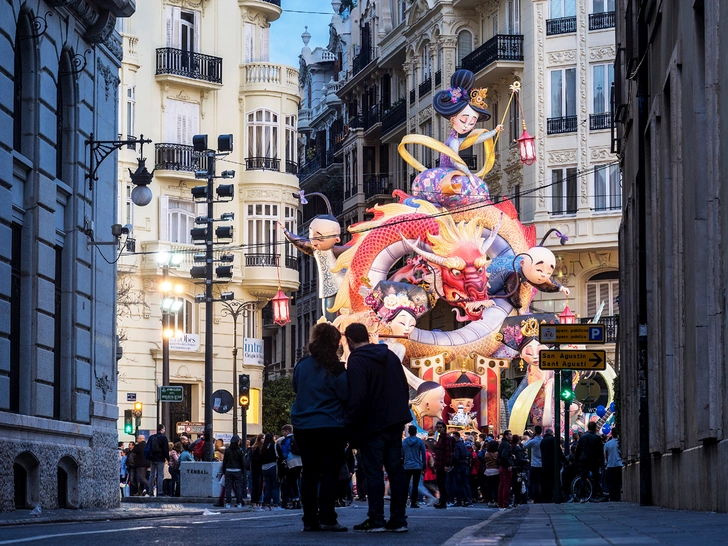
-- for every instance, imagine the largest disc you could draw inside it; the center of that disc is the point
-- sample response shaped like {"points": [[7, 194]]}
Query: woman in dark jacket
{"points": [[256, 473], [270, 456], [317, 415], [520, 466]]}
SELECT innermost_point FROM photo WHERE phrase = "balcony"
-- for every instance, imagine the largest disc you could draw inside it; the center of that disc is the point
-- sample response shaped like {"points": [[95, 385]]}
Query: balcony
{"points": [[332, 158], [269, 78], [178, 158], [360, 61], [394, 117], [375, 185], [438, 78], [502, 47], [261, 260], [601, 121], [425, 87], [372, 117], [564, 25], [611, 326], [309, 168], [557, 126], [291, 167], [356, 122], [173, 63], [412, 96], [600, 21], [262, 164], [269, 9]]}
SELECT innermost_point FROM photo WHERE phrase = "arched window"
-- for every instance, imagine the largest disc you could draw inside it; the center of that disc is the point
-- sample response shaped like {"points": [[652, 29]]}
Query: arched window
{"points": [[465, 45], [425, 62], [65, 120], [180, 220], [603, 287], [263, 134], [23, 82]]}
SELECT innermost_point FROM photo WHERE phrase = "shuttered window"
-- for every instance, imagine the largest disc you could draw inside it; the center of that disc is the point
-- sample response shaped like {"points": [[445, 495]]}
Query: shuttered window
{"points": [[181, 121], [263, 134], [603, 288]]}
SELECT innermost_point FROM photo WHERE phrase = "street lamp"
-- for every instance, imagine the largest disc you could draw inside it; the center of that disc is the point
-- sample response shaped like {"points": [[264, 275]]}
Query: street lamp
{"points": [[171, 304], [235, 308]]}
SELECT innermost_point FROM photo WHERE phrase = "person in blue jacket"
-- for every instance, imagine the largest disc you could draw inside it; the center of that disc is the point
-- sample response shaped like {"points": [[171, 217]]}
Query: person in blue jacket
{"points": [[414, 454]]}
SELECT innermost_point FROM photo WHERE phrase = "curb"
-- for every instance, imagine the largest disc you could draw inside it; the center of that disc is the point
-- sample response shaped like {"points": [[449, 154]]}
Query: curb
{"points": [[465, 536], [99, 517]]}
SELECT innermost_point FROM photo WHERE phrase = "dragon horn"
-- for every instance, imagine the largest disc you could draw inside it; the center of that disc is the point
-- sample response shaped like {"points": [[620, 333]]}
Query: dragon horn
{"points": [[493, 232], [429, 256]]}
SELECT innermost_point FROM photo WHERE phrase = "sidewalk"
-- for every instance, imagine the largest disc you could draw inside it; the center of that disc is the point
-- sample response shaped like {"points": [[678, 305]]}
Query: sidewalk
{"points": [[593, 524], [131, 508]]}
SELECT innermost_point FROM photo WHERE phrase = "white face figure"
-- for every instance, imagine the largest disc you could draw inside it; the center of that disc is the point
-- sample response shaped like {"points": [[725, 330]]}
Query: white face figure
{"points": [[538, 265], [530, 352], [324, 234], [465, 403], [433, 403], [402, 324], [464, 121]]}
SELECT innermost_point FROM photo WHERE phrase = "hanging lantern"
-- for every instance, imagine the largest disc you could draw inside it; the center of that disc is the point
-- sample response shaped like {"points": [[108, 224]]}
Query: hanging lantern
{"points": [[566, 316], [281, 312], [526, 147]]}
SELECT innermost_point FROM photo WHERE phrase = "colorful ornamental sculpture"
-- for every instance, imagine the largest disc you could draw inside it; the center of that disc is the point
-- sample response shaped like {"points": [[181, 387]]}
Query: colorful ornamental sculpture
{"points": [[459, 249]]}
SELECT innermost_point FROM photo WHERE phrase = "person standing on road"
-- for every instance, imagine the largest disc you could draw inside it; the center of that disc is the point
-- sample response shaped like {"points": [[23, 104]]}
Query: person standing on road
{"points": [[505, 463], [415, 459], [317, 415], [460, 457], [534, 444], [377, 408], [140, 467], [232, 468], [614, 467], [158, 454], [443, 461], [256, 472], [590, 457]]}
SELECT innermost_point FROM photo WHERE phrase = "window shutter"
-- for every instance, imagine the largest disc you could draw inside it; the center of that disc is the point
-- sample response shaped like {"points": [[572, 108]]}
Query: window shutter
{"points": [[163, 218], [265, 44], [591, 299], [248, 53], [170, 121], [197, 30], [170, 26], [176, 27]]}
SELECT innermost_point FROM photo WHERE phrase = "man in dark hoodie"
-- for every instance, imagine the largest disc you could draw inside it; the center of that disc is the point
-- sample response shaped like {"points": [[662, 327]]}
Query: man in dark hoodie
{"points": [[376, 410]]}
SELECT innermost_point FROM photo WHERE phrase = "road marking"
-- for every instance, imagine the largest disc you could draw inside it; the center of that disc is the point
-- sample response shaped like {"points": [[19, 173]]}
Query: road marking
{"points": [[59, 535]]}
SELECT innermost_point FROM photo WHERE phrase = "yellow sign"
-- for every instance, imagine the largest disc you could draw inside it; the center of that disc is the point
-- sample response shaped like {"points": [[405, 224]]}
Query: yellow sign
{"points": [[571, 333], [573, 360]]}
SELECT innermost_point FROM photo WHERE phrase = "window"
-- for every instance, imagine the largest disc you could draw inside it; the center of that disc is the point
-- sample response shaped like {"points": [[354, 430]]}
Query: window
{"points": [[291, 139], [513, 16], [603, 287], [602, 79], [290, 222], [183, 29], [131, 111], [18, 90], [514, 123], [180, 220], [494, 23], [262, 228], [563, 191], [127, 208], [181, 121], [602, 6], [264, 45], [465, 46], [562, 8], [263, 134], [249, 42], [182, 320], [607, 187], [563, 92], [425, 62]]}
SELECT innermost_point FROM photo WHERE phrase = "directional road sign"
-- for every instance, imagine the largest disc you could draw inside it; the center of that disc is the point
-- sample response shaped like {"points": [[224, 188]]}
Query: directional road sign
{"points": [[171, 394], [573, 360], [587, 391], [572, 333]]}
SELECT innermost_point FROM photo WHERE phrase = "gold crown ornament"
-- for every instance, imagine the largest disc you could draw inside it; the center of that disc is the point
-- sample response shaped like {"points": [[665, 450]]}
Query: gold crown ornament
{"points": [[477, 97]]}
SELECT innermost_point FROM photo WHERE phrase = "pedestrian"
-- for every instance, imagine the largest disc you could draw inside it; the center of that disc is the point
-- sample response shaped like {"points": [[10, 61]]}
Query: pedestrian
{"points": [[377, 408], [476, 473], [360, 476], [443, 461], [551, 461], [292, 455], [256, 472], [157, 451], [414, 455], [505, 464], [534, 444], [232, 468], [590, 457], [317, 414], [270, 457], [430, 478], [492, 473], [174, 464], [140, 467], [519, 471], [614, 467], [461, 471]]}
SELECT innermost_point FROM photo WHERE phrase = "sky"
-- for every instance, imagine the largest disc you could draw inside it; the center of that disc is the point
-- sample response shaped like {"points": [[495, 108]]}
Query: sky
{"points": [[285, 33]]}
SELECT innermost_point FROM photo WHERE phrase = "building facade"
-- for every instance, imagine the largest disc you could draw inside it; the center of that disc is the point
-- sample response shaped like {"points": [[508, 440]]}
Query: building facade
{"points": [[203, 68], [58, 345], [672, 69], [390, 57]]}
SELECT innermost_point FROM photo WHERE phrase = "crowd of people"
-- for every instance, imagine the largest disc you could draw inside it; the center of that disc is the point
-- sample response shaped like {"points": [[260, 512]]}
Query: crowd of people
{"points": [[351, 437]]}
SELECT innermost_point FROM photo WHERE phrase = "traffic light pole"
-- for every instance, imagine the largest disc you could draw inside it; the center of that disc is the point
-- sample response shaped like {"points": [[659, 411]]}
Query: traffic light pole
{"points": [[209, 388], [557, 436]]}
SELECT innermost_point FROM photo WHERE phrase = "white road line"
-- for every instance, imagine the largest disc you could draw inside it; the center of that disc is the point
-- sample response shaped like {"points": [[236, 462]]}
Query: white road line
{"points": [[59, 535]]}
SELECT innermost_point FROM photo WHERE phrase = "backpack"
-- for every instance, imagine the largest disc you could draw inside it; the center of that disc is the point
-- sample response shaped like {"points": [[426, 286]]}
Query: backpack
{"points": [[293, 446], [157, 449], [199, 450]]}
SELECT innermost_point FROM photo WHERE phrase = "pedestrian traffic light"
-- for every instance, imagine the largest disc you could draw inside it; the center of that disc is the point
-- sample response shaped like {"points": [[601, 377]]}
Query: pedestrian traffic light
{"points": [[567, 391], [244, 390], [128, 425], [138, 409]]}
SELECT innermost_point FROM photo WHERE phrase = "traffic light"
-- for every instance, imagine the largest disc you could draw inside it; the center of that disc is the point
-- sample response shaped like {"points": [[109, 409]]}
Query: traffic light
{"points": [[567, 391], [128, 425], [138, 409], [244, 390]]}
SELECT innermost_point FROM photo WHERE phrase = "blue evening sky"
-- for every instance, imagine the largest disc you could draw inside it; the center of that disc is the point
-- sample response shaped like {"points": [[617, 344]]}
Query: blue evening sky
{"points": [[285, 33]]}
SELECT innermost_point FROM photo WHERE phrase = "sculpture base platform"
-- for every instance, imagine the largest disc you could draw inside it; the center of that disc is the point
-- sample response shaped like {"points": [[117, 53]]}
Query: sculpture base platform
{"points": [[200, 479]]}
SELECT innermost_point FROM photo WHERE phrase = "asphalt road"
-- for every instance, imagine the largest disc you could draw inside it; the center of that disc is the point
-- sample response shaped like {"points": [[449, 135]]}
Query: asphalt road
{"points": [[427, 526]]}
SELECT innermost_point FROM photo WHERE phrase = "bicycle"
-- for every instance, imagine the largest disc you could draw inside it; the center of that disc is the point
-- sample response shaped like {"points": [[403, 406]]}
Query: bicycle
{"points": [[576, 489]]}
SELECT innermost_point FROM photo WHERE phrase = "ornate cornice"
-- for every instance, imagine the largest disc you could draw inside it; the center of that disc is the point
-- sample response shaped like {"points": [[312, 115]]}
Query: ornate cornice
{"points": [[606, 53], [556, 58], [600, 154], [562, 157], [110, 76]]}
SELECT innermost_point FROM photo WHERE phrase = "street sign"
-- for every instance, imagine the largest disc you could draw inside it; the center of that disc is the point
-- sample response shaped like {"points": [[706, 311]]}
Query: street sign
{"points": [[572, 333], [131, 397], [573, 360], [587, 391], [222, 401], [171, 394], [190, 427]]}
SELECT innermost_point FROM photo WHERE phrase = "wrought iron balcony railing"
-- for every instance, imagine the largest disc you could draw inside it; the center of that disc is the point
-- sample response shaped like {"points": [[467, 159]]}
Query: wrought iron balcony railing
{"points": [[502, 47], [309, 168], [425, 87], [361, 60], [189, 64], [563, 25], [600, 121], [565, 124], [611, 326], [599, 21], [262, 164], [261, 260], [394, 117], [178, 157], [372, 117], [291, 167], [292, 263], [438, 78], [376, 185], [412, 96]]}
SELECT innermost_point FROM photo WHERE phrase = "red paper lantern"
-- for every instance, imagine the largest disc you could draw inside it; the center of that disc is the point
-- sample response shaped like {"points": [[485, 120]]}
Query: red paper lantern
{"points": [[566, 316], [281, 312], [526, 147]]}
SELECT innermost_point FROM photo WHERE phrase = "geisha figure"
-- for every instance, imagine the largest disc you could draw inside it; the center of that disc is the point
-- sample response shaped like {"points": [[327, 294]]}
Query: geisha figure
{"points": [[452, 183]]}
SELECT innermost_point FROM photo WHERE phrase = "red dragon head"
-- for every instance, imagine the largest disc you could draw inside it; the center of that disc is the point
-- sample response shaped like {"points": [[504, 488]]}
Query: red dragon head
{"points": [[459, 257]]}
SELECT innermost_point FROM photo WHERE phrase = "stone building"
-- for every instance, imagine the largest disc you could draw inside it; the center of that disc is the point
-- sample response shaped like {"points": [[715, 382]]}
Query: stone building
{"points": [[672, 82], [190, 68], [387, 59], [58, 346]]}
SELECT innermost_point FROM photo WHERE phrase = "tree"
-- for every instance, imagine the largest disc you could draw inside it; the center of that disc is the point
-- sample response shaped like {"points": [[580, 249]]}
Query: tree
{"points": [[278, 398]]}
